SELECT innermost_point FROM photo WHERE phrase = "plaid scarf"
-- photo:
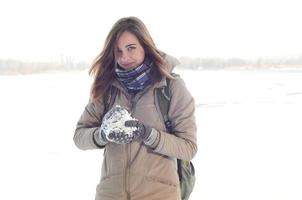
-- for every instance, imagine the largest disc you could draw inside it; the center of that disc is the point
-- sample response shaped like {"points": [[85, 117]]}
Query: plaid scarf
{"points": [[136, 79]]}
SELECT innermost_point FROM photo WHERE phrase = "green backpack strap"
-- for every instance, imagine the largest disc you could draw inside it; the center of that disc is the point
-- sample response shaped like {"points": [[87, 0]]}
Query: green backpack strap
{"points": [[185, 169], [163, 97]]}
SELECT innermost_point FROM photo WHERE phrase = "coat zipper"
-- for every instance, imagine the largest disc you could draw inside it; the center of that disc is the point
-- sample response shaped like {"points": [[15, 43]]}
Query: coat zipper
{"points": [[126, 174], [128, 155], [134, 100]]}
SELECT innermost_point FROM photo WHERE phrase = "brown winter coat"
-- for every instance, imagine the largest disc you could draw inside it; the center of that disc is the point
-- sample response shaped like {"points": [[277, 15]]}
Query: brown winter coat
{"points": [[134, 171]]}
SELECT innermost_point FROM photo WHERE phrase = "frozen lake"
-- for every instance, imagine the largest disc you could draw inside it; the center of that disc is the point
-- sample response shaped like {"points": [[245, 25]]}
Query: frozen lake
{"points": [[249, 136]]}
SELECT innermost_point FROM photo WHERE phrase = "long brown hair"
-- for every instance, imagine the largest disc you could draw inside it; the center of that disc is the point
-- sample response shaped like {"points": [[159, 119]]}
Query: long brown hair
{"points": [[102, 68]]}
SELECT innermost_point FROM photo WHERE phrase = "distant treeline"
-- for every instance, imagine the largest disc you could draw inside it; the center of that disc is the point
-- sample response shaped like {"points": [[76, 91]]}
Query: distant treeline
{"points": [[238, 63], [12, 66]]}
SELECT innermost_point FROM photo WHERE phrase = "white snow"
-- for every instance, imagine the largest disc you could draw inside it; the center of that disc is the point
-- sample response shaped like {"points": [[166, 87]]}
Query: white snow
{"points": [[249, 136], [114, 121]]}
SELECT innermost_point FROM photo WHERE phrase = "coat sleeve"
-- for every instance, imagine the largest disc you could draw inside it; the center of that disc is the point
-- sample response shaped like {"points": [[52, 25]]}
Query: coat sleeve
{"points": [[88, 126], [182, 144]]}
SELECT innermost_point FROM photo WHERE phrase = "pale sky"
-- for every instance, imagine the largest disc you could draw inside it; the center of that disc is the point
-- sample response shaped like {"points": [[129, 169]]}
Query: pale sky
{"points": [[46, 29]]}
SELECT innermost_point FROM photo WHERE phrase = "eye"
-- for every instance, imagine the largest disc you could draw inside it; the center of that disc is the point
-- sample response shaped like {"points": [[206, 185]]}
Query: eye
{"points": [[118, 52], [131, 48]]}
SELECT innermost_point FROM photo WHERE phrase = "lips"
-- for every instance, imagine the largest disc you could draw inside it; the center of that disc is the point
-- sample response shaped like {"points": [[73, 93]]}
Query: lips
{"points": [[129, 64]]}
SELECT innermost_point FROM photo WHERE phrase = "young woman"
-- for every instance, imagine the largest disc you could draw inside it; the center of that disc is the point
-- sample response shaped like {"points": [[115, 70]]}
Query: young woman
{"points": [[143, 166]]}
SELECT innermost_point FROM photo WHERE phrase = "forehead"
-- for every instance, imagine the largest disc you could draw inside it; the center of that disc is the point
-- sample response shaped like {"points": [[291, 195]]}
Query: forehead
{"points": [[127, 38]]}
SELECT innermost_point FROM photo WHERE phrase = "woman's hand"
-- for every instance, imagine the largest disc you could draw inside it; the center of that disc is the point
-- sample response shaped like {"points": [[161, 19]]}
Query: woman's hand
{"points": [[113, 127], [142, 131], [119, 137], [148, 135]]}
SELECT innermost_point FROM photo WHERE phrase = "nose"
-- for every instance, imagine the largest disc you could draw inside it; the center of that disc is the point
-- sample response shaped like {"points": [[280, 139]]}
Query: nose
{"points": [[125, 58]]}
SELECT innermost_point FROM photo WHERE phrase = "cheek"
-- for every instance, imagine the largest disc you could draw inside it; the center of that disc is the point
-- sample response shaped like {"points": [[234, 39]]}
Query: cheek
{"points": [[118, 62], [141, 57]]}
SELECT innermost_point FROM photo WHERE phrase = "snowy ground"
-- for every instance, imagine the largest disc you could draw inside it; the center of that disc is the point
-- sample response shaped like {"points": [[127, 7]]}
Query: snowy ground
{"points": [[249, 136]]}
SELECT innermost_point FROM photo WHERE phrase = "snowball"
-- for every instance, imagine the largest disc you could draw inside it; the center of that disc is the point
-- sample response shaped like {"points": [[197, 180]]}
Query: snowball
{"points": [[114, 120]]}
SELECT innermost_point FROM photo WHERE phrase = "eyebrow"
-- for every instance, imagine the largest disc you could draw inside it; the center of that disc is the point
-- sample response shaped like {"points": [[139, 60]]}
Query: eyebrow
{"points": [[128, 45]]}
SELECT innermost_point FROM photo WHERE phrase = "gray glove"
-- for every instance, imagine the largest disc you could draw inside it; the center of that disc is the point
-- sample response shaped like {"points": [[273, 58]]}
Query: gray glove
{"points": [[100, 138], [148, 135], [119, 137], [114, 136], [142, 131]]}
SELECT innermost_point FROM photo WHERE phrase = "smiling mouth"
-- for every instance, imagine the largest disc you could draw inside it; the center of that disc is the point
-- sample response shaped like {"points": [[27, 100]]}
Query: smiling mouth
{"points": [[128, 64]]}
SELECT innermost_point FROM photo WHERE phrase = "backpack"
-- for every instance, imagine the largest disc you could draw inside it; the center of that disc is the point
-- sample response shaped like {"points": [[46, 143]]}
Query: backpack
{"points": [[185, 169]]}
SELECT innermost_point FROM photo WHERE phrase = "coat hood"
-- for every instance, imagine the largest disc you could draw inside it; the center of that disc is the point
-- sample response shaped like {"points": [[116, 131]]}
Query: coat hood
{"points": [[172, 61]]}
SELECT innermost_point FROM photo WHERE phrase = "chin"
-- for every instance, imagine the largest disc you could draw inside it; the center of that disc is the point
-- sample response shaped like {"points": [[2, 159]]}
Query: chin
{"points": [[129, 67]]}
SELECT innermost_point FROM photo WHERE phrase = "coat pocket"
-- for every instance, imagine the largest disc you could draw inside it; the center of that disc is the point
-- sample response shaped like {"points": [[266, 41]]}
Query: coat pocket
{"points": [[160, 181]]}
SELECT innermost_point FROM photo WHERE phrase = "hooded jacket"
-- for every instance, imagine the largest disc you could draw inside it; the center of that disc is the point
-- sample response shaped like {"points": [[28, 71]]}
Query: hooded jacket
{"points": [[135, 171]]}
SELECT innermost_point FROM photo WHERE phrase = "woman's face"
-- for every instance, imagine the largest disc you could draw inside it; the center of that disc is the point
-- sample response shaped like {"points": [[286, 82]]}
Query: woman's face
{"points": [[129, 54]]}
